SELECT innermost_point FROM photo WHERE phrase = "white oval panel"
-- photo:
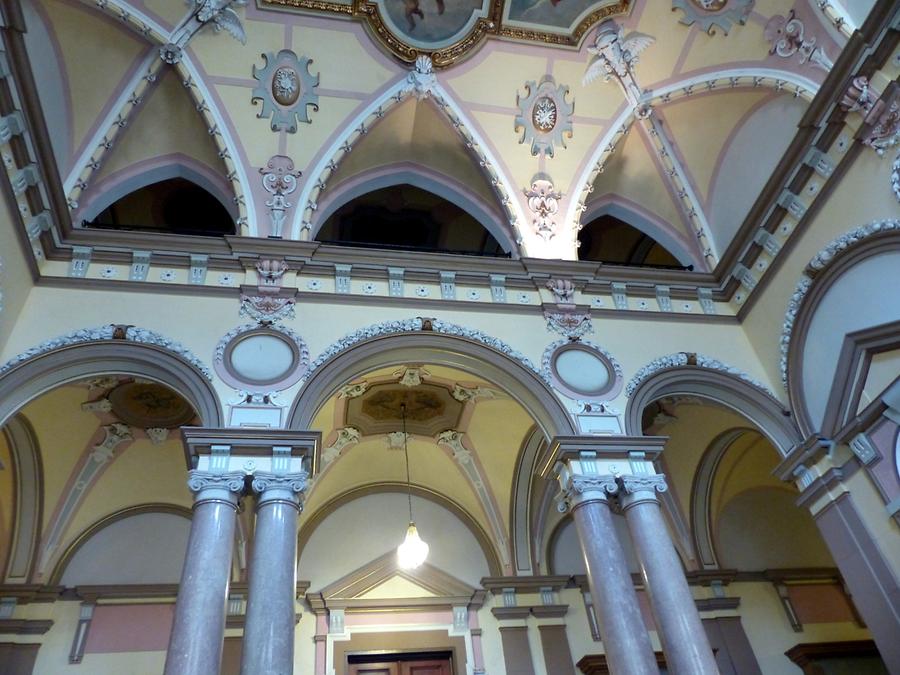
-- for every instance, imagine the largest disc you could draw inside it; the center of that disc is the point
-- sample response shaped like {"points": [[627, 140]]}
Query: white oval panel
{"points": [[582, 371], [262, 358]]}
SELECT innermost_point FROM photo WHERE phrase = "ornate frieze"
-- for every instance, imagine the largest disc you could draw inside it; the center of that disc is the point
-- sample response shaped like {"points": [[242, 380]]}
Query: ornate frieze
{"points": [[268, 305], [816, 265], [690, 359], [543, 201], [882, 124], [572, 324], [109, 332], [545, 117], [708, 14], [286, 90], [788, 38], [415, 325], [280, 180]]}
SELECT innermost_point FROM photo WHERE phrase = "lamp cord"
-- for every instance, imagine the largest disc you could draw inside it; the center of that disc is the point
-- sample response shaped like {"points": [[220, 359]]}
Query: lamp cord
{"points": [[406, 454]]}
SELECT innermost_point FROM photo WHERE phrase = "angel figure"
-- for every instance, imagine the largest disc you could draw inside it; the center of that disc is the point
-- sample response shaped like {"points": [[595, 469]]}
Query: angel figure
{"points": [[614, 53], [221, 15]]}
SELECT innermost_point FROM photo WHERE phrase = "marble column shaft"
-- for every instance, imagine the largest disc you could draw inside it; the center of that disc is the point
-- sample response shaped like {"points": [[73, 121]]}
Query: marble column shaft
{"points": [[680, 629], [198, 631], [625, 637], [269, 629]]}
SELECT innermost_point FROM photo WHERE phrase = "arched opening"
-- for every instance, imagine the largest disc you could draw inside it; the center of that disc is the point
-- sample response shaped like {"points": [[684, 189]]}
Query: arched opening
{"points": [[409, 218], [611, 240], [173, 205]]}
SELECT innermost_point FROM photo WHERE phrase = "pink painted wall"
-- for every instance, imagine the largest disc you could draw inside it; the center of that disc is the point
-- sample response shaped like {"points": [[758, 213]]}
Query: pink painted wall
{"points": [[130, 628]]}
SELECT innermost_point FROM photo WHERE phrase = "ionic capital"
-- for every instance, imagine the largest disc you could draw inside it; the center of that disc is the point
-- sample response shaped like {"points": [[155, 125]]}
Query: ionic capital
{"points": [[279, 486], [637, 489], [210, 486], [577, 489]]}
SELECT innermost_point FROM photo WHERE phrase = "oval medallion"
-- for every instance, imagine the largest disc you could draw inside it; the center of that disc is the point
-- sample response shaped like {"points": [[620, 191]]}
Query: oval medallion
{"points": [[285, 86], [543, 115]]}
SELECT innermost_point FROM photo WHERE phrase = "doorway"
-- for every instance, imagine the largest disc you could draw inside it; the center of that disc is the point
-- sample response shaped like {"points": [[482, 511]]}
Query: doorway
{"points": [[411, 663]]}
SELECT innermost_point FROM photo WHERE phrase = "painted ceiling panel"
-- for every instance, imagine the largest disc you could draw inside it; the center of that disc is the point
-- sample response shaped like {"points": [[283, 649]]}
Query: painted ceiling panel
{"points": [[166, 12], [99, 54], [633, 174], [702, 137], [165, 124]]}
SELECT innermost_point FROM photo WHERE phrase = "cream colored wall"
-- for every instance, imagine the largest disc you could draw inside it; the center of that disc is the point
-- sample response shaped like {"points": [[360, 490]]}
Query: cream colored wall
{"points": [[15, 277], [863, 195], [884, 530], [770, 633]]}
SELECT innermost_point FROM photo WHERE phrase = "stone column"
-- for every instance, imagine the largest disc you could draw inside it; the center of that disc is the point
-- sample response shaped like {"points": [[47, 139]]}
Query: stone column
{"points": [[198, 632], [625, 638], [681, 631], [269, 629]]}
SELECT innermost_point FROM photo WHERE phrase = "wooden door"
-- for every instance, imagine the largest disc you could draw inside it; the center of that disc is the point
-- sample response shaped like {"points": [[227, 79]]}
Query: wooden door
{"points": [[440, 667], [374, 669]]}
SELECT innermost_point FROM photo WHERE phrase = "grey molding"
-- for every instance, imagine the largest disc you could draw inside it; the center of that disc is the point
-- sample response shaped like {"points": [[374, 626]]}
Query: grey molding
{"points": [[731, 391], [25, 626], [29, 499], [25, 380]]}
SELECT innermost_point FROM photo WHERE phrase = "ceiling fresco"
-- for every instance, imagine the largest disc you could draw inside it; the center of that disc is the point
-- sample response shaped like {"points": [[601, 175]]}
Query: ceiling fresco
{"points": [[450, 30]]}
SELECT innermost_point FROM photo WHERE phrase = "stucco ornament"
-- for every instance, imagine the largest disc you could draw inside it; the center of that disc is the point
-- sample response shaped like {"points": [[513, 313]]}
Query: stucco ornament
{"points": [[543, 200], [346, 436], [279, 179], [286, 89], [711, 13], [882, 123], [572, 324], [563, 290], [545, 117], [690, 359], [787, 35], [220, 15], [420, 81], [615, 55], [170, 53]]}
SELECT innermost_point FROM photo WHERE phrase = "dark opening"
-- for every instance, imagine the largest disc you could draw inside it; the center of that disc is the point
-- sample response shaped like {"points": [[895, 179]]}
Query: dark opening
{"points": [[408, 218], [612, 241], [397, 657], [174, 205]]}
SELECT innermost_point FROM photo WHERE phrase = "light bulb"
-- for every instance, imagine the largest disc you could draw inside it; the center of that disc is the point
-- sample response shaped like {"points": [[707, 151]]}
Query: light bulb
{"points": [[413, 551]]}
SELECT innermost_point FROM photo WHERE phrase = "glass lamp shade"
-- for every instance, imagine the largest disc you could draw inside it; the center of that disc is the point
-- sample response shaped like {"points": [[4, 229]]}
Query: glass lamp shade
{"points": [[413, 551]]}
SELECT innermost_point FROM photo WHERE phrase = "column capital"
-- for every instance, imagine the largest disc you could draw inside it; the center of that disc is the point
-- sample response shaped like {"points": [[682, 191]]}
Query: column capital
{"points": [[640, 488], [578, 489], [213, 486], [279, 486]]}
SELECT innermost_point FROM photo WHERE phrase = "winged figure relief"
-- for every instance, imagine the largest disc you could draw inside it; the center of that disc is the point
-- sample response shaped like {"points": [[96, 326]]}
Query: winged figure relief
{"points": [[615, 54], [220, 14]]}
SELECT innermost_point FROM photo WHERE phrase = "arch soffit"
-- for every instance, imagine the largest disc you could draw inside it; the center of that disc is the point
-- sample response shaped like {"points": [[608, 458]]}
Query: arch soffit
{"points": [[83, 537], [28, 499], [90, 352], [132, 178], [701, 494], [402, 342], [640, 219], [423, 86], [753, 402], [423, 178], [821, 273], [488, 546], [715, 81]]}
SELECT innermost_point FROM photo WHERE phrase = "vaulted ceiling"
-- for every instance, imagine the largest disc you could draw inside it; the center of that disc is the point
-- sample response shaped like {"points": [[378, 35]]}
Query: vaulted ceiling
{"points": [[682, 139]]}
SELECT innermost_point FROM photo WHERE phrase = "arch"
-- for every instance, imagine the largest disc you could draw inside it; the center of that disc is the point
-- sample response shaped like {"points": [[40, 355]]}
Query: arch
{"points": [[133, 178], [689, 86], [400, 342], [490, 551], [28, 500], [422, 85], [701, 495], [641, 219], [109, 349], [674, 376], [423, 178], [78, 542], [822, 272]]}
